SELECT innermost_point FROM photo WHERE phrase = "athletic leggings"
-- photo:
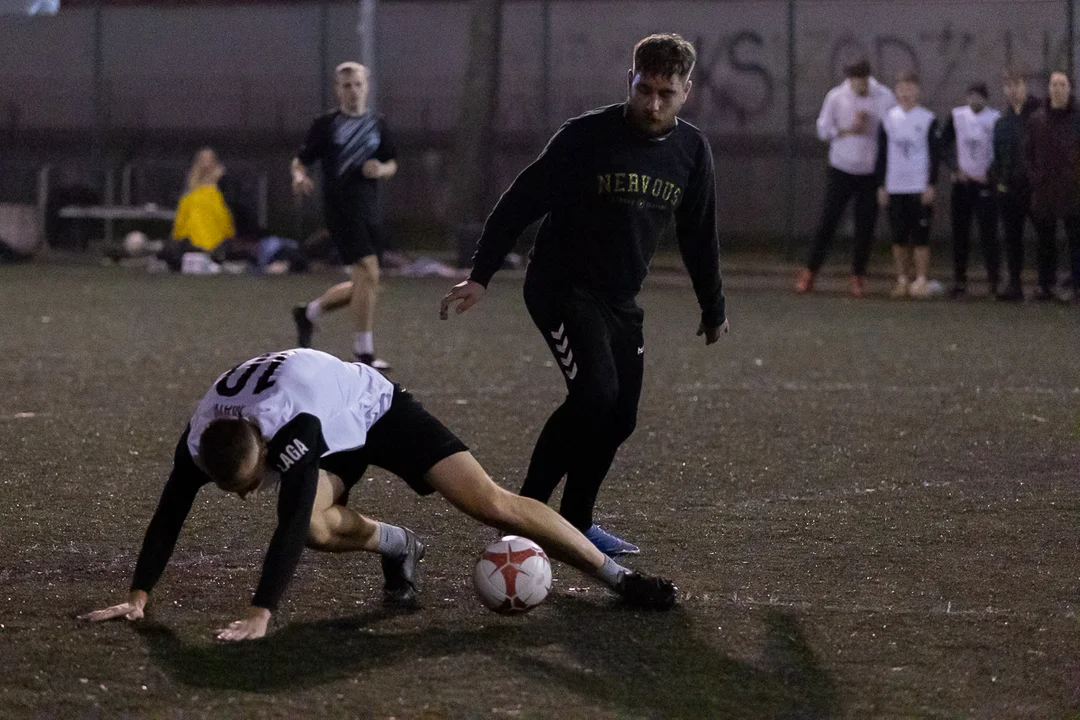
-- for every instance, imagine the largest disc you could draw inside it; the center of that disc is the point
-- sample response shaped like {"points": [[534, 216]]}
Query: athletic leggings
{"points": [[598, 346]]}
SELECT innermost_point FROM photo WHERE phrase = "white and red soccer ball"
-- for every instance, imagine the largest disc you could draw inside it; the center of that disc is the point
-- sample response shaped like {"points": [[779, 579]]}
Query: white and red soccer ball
{"points": [[513, 575]]}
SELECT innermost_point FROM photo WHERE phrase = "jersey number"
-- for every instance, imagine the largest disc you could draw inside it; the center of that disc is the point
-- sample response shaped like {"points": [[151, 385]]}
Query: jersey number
{"points": [[265, 382]]}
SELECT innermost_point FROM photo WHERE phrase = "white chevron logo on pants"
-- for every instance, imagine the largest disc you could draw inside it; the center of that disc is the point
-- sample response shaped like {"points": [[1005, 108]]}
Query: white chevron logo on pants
{"points": [[563, 353]]}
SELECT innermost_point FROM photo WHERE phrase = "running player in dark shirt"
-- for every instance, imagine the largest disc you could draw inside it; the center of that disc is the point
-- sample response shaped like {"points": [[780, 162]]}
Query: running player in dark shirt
{"points": [[609, 186], [355, 150], [311, 424]]}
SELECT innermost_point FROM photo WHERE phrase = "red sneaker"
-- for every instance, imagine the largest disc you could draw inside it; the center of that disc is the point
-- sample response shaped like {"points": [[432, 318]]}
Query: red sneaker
{"points": [[804, 281], [857, 285]]}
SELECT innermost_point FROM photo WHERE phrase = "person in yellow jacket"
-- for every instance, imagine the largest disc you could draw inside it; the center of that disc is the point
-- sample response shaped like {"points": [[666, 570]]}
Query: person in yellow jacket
{"points": [[202, 217]]}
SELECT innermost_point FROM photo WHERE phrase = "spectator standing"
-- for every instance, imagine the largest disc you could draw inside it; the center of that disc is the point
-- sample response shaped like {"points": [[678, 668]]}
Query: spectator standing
{"points": [[967, 140], [909, 151], [1052, 164], [849, 121], [1013, 188]]}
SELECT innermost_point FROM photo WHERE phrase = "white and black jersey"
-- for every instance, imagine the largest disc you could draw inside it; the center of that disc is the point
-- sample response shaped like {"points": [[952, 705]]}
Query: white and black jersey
{"points": [[274, 390], [308, 405], [909, 151], [968, 136]]}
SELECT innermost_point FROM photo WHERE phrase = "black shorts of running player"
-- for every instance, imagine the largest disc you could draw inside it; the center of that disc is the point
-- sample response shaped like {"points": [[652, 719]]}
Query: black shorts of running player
{"points": [[353, 228], [407, 440], [910, 220]]}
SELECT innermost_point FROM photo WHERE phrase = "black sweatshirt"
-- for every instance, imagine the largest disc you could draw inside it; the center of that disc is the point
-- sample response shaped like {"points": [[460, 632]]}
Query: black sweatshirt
{"points": [[608, 195], [296, 498], [1007, 170]]}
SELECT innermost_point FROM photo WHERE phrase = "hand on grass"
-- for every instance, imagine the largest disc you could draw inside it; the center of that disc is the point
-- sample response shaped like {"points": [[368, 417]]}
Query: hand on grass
{"points": [[130, 610], [250, 628]]}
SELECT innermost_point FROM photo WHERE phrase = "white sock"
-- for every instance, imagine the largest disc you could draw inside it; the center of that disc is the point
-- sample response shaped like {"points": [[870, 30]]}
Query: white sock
{"points": [[364, 343], [611, 572], [392, 540], [313, 310]]}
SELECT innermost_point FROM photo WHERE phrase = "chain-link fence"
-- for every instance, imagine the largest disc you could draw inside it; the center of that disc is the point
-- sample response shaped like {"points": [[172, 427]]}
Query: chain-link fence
{"points": [[101, 88]]}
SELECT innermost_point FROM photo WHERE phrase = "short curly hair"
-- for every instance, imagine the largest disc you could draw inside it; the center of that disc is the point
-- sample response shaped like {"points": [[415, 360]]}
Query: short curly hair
{"points": [[664, 54]]}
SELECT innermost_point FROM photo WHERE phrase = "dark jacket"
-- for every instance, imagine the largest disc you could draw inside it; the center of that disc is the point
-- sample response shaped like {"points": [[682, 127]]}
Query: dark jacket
{"points": [[1051, 160], [1007, 170]]}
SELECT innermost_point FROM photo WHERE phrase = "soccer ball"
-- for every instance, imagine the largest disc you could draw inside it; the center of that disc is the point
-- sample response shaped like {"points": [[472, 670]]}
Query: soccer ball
{"points": [[512, 576], [134, 242]]}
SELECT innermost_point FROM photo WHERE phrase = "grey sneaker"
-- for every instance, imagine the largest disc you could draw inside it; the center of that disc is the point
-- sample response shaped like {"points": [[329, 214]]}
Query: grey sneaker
{"points": [[400, 572]]}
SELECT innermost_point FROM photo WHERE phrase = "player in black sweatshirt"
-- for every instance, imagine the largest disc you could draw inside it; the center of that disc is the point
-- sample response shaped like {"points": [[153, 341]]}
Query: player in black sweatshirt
{"points": [[609, 186]]}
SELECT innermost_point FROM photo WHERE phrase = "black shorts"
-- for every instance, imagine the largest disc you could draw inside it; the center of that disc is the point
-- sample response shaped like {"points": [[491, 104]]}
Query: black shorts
{"points": [[407, 440], [910, 220], [353, 229]]}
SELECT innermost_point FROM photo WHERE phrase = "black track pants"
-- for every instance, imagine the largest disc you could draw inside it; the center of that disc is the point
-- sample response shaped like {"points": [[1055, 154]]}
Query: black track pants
{"points": [[1015, 209], [975, 201], [598, 346], [840, 188]]}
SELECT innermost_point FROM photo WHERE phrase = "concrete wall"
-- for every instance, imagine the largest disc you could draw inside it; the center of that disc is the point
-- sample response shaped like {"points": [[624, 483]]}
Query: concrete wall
{"points": [[258, 75]]}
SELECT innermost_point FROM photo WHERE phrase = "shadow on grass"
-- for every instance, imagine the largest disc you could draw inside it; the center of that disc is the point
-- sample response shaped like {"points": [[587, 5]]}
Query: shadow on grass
{"points": [[652, 664]]}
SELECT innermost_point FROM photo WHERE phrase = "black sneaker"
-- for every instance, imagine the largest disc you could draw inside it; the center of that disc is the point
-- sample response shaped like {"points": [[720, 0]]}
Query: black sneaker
{"points": [[374, 362], [1044, 295], [304, 327], [400, 572], [958, 291], [645, 591], [1011, 293]]}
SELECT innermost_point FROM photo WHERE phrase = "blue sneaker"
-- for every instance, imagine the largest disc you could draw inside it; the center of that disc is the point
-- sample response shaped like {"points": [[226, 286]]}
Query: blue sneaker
{"points": [[610, 545]]}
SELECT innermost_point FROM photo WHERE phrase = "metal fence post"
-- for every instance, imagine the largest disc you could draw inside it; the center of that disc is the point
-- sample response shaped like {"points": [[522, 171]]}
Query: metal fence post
{"points": [[366, 30], [324, 55], [1070, 37], [547, 113], [791, 188]]}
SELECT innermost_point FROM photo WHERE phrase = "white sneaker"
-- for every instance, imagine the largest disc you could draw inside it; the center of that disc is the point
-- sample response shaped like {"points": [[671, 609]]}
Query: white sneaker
{"points": [[920, 289]]}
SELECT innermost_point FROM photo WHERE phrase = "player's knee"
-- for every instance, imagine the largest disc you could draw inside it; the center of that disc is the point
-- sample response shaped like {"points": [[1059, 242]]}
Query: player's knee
{"points": [[320, 536], [496, 509], [366, 272], [595, 404]]}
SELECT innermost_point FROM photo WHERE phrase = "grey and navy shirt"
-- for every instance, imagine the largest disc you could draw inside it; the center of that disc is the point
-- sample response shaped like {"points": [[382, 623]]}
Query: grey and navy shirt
{"points": [[607, 196], [310, 405], [342, 143]]}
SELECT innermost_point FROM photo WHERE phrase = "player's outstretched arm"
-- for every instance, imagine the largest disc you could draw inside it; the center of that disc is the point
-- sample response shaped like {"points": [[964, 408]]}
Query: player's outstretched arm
{"points": [[130, 610], [296, 498], [466, 294]]}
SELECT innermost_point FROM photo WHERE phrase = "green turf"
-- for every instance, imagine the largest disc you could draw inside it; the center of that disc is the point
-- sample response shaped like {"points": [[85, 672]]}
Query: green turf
{"points": [[870, 509]]}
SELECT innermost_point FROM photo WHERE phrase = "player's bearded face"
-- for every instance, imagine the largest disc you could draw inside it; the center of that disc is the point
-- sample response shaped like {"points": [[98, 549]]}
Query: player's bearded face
{"points": [[654, 101]]}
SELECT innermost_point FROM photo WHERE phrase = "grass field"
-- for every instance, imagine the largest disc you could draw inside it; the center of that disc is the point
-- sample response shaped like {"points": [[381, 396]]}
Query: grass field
{"points": [[871, 509]]}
